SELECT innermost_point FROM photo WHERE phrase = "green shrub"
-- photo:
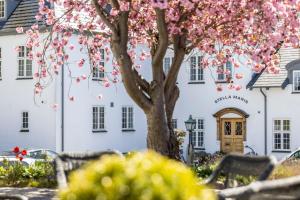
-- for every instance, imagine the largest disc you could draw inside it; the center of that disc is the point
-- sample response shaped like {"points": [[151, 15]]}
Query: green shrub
{"points": [[142, 176], [39, 174]]}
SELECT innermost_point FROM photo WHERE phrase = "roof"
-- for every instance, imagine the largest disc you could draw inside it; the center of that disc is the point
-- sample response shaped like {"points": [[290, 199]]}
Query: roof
{"points": [[266, 79], [22, 16]]}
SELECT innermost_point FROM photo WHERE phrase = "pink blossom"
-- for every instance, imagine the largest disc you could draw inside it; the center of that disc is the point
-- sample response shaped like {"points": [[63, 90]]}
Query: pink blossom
{"points": [[80, 63], [19, 29], [71, 98]]}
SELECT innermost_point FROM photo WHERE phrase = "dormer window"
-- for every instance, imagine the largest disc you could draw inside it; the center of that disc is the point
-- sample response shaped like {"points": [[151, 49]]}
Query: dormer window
{"points": [[296, 81], [2, 8]]}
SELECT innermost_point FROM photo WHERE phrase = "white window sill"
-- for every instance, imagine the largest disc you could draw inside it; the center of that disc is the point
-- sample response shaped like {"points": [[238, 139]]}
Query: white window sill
{"points": [[128, 130], [196, 82], [24, 130], [99, 131], [24, 78], [281, 151], [97, 79]]}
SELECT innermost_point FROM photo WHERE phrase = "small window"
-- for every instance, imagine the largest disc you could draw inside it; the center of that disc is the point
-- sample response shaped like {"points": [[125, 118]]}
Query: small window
{"points": [[25, 121], [127, 117], [0, 63], [167, 64], [98, 70], [98, 118], [174, 123], [198, 134], [2, 8], [296, 81], [196, 70], [225, 72], [24, 63], [281, 134]]}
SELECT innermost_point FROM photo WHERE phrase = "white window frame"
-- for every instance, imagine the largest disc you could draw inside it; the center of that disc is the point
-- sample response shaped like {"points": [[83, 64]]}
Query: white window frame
{"points": [[98, 125], [26, 70], [167, 64], [198, 135], [127, 118], [296, 84], [4, 9], [25, 121], [196, 70], [222, 76], [282, 132], [175, 123], [97, 74]]}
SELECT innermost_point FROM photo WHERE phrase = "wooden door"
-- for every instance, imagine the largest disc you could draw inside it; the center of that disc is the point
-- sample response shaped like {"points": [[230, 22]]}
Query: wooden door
{"points": [[232, 135]]}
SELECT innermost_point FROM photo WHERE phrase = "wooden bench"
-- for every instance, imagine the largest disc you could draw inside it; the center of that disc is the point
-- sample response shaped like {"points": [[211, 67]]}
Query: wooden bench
{"points": [[68, 162], [232, 165], [281, 189]]}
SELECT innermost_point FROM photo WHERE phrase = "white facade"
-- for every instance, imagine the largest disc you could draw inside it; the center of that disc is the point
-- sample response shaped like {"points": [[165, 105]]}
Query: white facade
{"points": [[265, 117], [198, 98]]}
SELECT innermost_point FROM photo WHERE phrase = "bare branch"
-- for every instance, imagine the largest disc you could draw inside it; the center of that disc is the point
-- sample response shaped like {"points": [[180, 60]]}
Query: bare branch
{"points": [[100, 12]]}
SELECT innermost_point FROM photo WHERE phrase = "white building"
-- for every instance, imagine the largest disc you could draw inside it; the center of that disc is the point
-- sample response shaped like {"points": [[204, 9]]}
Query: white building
{"points": [[264, 114]]}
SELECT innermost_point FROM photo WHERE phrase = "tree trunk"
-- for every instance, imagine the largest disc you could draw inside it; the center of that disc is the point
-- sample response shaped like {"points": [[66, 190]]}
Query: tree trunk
{"points": [[161, 136]]}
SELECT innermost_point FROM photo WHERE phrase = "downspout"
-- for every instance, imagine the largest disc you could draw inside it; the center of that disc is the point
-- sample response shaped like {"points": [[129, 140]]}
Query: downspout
{"points": [[265, 119], [62, 109]]}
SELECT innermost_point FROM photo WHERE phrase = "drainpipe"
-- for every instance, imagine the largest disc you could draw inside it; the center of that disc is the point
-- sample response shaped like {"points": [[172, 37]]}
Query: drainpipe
{"points": [[265, 119], [62, 109]]}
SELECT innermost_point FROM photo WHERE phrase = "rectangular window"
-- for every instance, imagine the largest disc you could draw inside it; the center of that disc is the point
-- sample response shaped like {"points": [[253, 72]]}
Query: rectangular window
{"points": [[196, 70], [25, 122], [24, 63], [0, 63], [174, 123], [167, 64], [98, 118], [127, 117], [296, 81], [2, 8], [281, 134], [198, 134], [225, 72], [98, 70]]}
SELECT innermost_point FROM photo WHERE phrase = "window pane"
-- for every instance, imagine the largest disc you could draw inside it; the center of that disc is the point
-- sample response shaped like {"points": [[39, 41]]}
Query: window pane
{"points": [[277, 125], [227, 127], [277, 141], [239, 128], [296, 80], [174, 123], [124, 117], [286, 141], [2, 8], [193, 69], [228, 69], [167, 64], [130, 117], [286, 125], [200, 139], [220, 72]]}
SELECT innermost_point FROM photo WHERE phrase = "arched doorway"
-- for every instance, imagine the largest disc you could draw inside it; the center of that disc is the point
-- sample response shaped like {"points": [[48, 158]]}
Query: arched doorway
{"points": [[231, 129]]}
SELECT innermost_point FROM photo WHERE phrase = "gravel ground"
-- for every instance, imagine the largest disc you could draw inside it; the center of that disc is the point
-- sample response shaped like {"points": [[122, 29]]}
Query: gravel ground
{"points": [[31, 193]]}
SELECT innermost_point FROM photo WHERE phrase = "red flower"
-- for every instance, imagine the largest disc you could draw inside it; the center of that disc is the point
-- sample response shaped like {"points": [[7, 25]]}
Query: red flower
{"points": [[24, 152], [20, 158], [16, 150]]}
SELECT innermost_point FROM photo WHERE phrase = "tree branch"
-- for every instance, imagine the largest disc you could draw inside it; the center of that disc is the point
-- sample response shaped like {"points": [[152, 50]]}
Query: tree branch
{"points": [[163, 37], [100, 12]]}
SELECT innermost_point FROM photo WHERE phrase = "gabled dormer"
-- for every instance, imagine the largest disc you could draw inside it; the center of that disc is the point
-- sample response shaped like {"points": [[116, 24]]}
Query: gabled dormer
{"points": [[6, 9]]}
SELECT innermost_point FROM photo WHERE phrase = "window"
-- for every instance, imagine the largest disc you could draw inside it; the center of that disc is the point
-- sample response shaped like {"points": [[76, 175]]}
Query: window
{"points": [[98, 118], [225, 72], [167, 64], [25, 123], [174, 123], [281, 132], [296, 81], [98, 70], [127, 118], [2, 8], [196, 71], [0, 63], [24, 63], [198, 134]]}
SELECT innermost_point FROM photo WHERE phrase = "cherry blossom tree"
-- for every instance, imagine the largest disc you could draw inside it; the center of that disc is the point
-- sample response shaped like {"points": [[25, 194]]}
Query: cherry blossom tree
{"points": [[220, 30]]}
